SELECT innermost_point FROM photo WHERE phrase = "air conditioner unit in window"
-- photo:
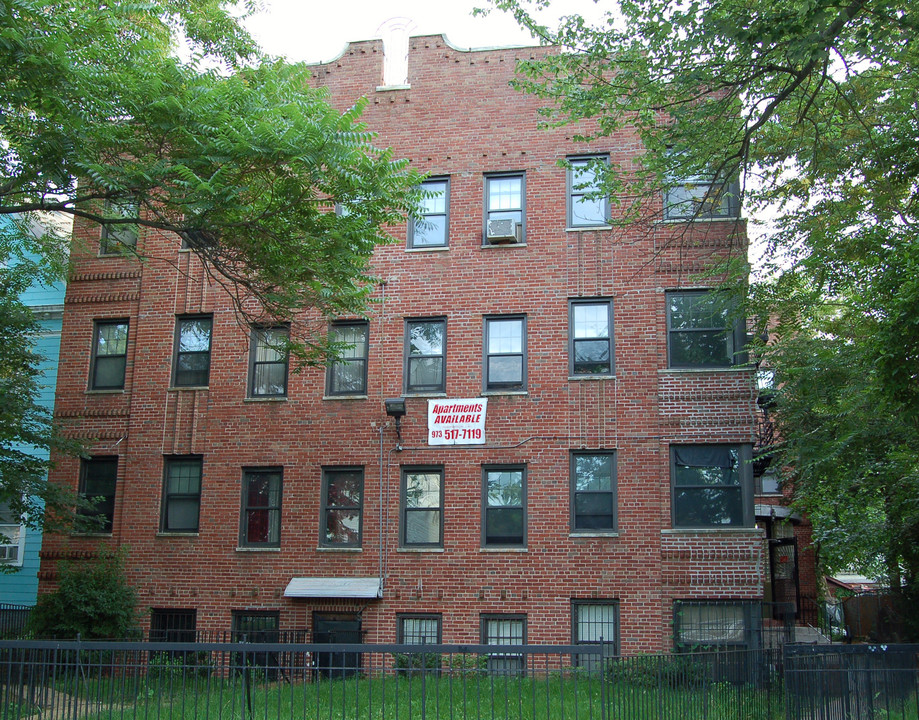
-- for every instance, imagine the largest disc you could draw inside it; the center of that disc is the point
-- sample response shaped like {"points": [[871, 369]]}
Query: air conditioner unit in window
{"points": [[502, 231]]}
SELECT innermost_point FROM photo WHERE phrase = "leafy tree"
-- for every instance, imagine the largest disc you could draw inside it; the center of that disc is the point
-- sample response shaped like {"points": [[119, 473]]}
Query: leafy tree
{"points": [[231, 150], [101, 120], [812, 106], [93, 599]]}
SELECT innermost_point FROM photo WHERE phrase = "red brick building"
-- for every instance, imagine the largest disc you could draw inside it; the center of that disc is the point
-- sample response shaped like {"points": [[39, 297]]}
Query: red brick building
{"points": [[603, 431]]}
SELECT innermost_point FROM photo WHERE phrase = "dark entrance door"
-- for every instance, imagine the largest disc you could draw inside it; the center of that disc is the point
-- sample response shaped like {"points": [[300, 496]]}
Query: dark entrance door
{"points": [[783, 571], [339, 629]]}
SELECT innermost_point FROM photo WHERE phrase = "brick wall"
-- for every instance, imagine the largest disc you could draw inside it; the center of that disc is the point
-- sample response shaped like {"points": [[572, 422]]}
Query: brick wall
{"points": [[460, 119]]}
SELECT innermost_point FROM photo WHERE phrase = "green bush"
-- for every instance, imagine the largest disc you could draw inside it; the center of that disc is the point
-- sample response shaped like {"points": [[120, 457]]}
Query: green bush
{"points": [[468, 662], [417, 661], [673, 671], [93, 600]]}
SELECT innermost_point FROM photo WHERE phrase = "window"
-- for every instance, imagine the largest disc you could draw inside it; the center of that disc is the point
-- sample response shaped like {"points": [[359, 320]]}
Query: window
{"points": [[431, 229], [584, 209], [769, 483], [505, 353], [348, 373], [256, 626], [342, 507], [595, 622], [418, 629], [181, 495], [593, 492], [426, 351], [12, 536], [703, 331], [110, 355], [504, 630], [173, 625], [590, 338], [261, 508], [268, 362], [192, 352], [712, 486], [504, 201], [700, 197], [422, 507], [98, 477], [714, 624], [504, 522], [118, 236]]}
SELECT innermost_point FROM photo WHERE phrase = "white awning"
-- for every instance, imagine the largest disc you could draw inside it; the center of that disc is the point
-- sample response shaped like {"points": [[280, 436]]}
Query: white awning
{"points": [[317, 587]]}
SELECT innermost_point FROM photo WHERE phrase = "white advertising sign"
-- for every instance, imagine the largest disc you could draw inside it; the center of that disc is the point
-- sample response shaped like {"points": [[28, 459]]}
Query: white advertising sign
{"points": [[457, 422]]}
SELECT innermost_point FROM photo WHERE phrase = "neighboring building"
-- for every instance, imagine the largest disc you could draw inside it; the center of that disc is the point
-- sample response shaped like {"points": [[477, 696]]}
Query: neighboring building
{"points": [[600, 485], [21, 548]]}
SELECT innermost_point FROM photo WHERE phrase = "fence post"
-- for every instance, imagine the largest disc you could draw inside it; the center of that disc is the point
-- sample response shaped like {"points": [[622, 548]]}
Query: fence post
{"points": [[604, 709], [424, 689]]}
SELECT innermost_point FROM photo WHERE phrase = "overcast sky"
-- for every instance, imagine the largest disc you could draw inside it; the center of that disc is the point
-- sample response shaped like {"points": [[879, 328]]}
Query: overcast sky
{"points": [[314, 31]]}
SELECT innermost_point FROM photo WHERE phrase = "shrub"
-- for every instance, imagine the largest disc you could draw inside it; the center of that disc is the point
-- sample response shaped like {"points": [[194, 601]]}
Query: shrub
{"points": [[93, 600], [404, 662], [673, 671]]}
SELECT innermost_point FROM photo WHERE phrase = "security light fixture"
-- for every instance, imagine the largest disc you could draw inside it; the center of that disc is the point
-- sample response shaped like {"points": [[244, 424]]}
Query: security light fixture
{"points": [[395, 408]]}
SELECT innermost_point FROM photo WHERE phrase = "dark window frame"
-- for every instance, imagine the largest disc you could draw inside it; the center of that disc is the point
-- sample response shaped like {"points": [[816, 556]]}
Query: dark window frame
{"points": [[331, 372], [408, 357], [262, 635], [726, 192], [326, 507], [735, 335], [744, 486], [105, 508], [173, 625], [438, 619], [611, 645], [414, 222], [573, 192], [498, 662], [257, 335], [94, 361], [751, 611], [573, 340], [487, 384], [111, 237], [574, 492], [178, 354], [273, 511], [487, 214], [169, 497], [516, 467], [405, 511]]}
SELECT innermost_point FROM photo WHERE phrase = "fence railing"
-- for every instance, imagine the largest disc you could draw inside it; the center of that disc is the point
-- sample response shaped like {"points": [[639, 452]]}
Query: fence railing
{"points": [[852, 682], [128, 681], [13, 619], [279, 681]]}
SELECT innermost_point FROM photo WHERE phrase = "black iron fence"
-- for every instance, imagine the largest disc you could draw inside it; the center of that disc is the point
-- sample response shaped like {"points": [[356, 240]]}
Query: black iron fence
{"points": [[105, 680], [13, 619], [279, 681], [852, 682]]}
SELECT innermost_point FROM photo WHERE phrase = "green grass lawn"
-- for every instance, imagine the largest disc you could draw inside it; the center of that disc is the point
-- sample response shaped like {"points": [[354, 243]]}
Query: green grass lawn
{"points": [[478, 695]]}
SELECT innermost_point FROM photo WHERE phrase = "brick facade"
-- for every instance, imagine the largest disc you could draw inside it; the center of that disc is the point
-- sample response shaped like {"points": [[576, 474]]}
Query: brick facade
{"points": [[460, 120]]}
